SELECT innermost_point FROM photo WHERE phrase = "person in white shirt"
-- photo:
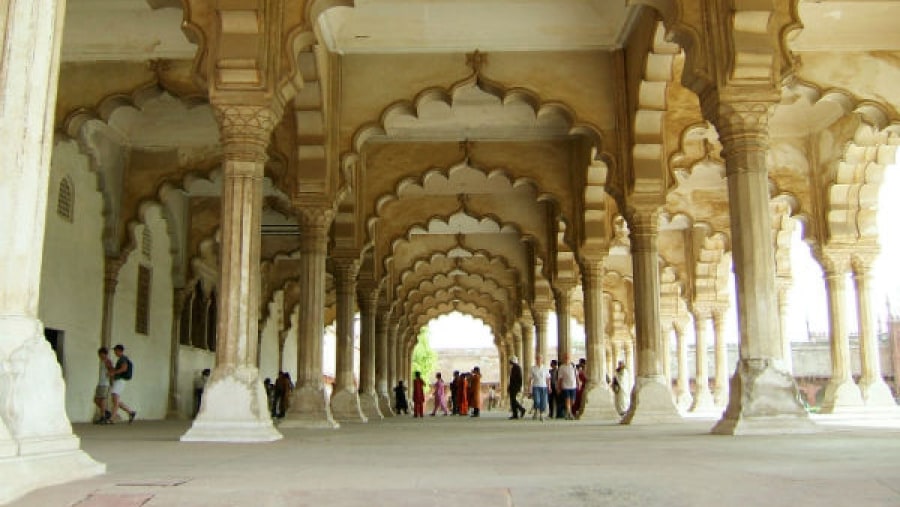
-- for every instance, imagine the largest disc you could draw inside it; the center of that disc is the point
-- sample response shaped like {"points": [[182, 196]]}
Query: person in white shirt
{"points": [[539, 380], [568, 382]]}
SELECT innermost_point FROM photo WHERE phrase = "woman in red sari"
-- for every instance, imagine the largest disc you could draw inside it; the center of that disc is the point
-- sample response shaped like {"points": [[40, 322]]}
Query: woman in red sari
{"points": [[418, 396], [463, 395]]}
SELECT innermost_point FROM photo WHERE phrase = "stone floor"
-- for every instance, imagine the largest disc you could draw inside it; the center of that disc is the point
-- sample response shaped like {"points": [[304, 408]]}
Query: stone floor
{"points": [[492, 462]]}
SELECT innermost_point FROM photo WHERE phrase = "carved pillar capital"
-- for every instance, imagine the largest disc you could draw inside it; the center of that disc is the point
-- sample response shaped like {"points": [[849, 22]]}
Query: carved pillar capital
{"points": [[245, 131], [345, 270], [644, 224], [314, 223], [862, 261], [835, 262], [743, 128]]}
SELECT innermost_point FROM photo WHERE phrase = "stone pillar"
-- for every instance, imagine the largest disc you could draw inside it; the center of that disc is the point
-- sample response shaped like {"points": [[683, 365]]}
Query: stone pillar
{"points": [[764, 396], [382, 360], [175, 343], [562, 292], [666, 339], [720, 394], [345, 404], [309, 406], [527, 359], [504, 372], [703, 399], [783, 286], [651, 399], [37, 447], [628, 347], [841, 393], [683, 396], [111, 267], [540, 333], [875, 391], [368, 396], [234, 406], [598, 399], [393, 354]]}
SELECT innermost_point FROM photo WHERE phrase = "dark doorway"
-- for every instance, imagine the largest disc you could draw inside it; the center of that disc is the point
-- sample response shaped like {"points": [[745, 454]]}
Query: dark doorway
{"points": [[56, 338]]}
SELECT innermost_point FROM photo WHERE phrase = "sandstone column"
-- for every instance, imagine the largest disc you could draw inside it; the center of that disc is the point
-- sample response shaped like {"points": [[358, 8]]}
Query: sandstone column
{"points": [[683, 396], [703, 399], [527, 359], [651, 399], [540, 332], [875, 392], [37, 447], [309, 406], [393, 353], [234, 406], [175, 344], [720, 394], [382, 360], [841, 393], [598, 399], [764, 396], [345, 398], [368, 397], [562, 292], [783, 286]]}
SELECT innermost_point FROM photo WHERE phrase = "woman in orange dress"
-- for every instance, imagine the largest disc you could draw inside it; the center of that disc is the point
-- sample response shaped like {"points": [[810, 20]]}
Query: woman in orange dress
{"points": [[475, 390], [463, 395]]}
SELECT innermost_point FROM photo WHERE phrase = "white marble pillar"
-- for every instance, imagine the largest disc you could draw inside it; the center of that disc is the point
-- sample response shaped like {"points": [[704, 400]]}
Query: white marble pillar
{"points": [[683, 396], [598, 399], [651, 399], [764, 397], [234, 406], [875, 391], [841, 393], [37, 447], [703, 398], [345, 405], [368, 396], [540, 332], [666, 338], [720, 393], [309, 407], [382, 360], [628, 347], [178, 297], [562, 293]]}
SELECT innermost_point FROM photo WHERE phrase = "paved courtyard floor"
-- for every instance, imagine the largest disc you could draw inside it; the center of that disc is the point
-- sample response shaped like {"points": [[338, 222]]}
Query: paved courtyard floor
{"points": [[489, 461]]}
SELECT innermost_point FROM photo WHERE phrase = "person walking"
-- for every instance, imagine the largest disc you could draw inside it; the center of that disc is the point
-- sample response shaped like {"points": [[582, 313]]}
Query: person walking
{"points": [[400, 403], [553, 395], [418, 395], [568, 382], [101, 392], [475, 391], [454, 393], [440, 399], [539, 379], [121, 373], [514, 386]]}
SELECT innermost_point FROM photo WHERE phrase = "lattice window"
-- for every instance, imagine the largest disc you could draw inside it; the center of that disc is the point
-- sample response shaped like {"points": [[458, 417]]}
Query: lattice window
{"points": [[142, 316], [146, 243], [65, 201]]}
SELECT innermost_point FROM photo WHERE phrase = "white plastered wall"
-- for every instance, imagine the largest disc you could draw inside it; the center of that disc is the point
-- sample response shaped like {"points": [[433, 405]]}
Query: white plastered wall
{"points": [[148, 391], [71, 296]]}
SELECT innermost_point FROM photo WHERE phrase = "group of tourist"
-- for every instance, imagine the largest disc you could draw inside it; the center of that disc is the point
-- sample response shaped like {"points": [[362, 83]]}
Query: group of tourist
{"points": [[111, 383], [463, 393]]}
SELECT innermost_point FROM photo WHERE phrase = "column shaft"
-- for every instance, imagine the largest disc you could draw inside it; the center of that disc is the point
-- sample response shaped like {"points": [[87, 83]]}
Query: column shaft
{"points": [[234, 406], [308, 406], [37, 447], [720, 395], [875, 391], [703, 399], [345, 404], [598, 399], [764, 396], [784, 306], [368, 396], [382, 361], [651, 399], [540, 330], [563, 294], [841, 393], [683, 396]]}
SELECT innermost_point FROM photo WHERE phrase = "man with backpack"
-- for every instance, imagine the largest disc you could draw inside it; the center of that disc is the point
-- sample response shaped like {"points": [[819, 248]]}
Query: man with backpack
{"points": [[121, 373]]}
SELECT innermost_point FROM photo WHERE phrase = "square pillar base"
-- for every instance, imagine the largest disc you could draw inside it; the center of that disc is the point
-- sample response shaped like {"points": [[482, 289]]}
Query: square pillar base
{"points": [[309, 408]]}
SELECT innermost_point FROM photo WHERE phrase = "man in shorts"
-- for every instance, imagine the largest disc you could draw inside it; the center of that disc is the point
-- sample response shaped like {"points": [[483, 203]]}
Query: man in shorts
{"points": [[568, 382], [101, 393], [119, 375]]}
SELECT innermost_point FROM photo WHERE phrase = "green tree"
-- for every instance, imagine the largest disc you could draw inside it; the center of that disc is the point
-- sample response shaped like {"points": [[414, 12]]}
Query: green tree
{"points": [[424, 358]]}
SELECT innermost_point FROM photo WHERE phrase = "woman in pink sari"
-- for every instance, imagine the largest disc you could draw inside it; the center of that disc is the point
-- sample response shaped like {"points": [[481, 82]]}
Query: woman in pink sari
{"points": [[440, 400]]}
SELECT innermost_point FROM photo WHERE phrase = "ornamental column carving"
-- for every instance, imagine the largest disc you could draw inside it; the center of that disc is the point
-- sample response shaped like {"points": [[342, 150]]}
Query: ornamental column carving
{"points": [[368, 397], [598, 399], [309, 406], [234, 405], [651, 397], [764, 397], [345, 398], [875, 391]]}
